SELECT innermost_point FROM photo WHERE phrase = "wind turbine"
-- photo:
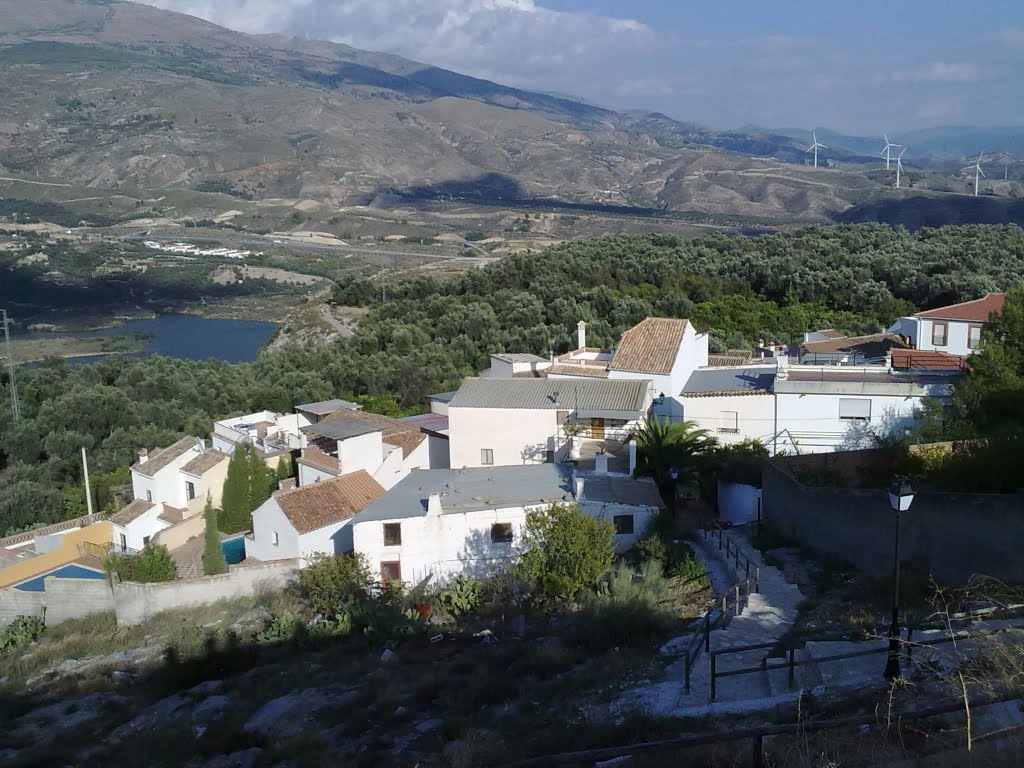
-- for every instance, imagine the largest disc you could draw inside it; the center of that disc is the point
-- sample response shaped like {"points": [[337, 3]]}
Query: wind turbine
{"points": [[899, 167], [815, 147], [888, 145], [978, 173]]}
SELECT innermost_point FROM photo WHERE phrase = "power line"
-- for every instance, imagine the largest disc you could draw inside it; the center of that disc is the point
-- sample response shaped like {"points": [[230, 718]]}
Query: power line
{"points": [[15, 405]]}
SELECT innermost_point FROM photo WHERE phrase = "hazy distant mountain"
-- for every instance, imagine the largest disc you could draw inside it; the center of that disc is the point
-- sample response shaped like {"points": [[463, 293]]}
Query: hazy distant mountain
{"points": [[108, 94]]}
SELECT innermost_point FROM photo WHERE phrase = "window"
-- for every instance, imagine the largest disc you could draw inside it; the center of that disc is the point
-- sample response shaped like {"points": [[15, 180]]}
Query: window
{"points": [[390, 572], [549, 457], [973, 336], [274, 538], [392, 534], [939, 333], [623, 524], [145, 541], [190, 490], [730, 422], [501, 533], [487, 457], [858, 409], [149, 495], [124, 543]]}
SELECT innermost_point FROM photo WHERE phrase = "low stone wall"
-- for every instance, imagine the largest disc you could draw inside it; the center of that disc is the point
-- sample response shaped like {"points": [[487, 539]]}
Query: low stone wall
{"points": [[134, 603], [952, 536], [63, 599]]}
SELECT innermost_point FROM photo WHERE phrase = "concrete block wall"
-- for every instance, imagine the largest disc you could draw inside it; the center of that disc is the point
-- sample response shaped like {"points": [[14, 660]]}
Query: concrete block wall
{"points": [[952, 536], [134, 603], [74, 598], [15, 603]]}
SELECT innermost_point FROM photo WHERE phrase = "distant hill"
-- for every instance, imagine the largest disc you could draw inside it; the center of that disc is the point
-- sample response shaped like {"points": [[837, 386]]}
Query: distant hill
{"points": [[110, 95], [928, 143]]}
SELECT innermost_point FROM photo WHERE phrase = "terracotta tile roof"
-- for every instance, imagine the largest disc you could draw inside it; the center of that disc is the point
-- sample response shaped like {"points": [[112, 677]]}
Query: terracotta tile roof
{"points": [[568, 369], [927, 360], [161, 457], [650, 346], [204, 462], [313, 456], [395, 432], [874, 345], [172, 515], [724, 361], [132, 512], [831, 333], [314, 506], [976, 311]]}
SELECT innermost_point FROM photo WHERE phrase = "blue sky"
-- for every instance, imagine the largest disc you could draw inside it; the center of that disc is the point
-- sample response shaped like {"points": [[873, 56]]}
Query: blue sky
{"points": [[863, 66]]}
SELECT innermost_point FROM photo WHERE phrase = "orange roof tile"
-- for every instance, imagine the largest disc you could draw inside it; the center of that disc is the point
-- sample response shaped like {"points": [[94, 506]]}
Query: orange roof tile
{"points": [[977, 311], [314, 506], [650, 346], [394, 432], [927, 360]]}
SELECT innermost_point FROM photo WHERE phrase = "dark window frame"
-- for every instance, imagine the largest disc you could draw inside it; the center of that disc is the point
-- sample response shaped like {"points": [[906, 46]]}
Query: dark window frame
{"points": [[392, 534], [507, 533], [619, 521], [936, 324]]}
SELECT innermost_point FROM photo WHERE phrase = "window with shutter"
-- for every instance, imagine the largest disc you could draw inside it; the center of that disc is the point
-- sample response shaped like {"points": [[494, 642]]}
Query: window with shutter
{"points": [[856, 409]]}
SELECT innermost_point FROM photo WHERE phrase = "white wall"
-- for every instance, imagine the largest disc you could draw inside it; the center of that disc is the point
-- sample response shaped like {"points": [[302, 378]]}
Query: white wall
{"points": [[642, 517], [148, 524], [755, 416], [516, 436], [310, 475], [737, 503], [810, 423], [333, 539], [266, 520], [442, 545], [166, 486], [956, 337], [393, 468], [439, 456], [361, 452]]}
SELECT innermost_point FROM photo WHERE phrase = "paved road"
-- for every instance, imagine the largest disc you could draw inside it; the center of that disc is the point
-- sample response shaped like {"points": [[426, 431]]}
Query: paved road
{"points": [[344, 330]]}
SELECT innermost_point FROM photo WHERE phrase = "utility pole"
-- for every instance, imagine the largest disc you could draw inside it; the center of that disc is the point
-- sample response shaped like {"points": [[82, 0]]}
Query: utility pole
{"points": [[15, 405], [85, 473]]}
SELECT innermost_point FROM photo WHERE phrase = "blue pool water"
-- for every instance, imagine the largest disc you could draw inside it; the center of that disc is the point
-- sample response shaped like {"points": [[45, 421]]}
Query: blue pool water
{"points": [[234, 549], [65, 572]]}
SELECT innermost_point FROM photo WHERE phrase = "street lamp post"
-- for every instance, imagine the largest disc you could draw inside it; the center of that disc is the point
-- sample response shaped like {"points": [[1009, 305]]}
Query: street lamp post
{"points": [[901, 495]]}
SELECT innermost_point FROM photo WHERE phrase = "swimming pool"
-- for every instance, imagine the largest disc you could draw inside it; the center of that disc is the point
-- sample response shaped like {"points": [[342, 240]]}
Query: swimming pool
{"points": [[65, 572], [234, 549]]}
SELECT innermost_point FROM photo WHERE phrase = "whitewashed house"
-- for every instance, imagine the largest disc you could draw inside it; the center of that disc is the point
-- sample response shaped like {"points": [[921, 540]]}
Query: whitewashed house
{"points": [[507, 365], [808, 409], [502, 422], [659, 350], [270, 433], [315, 519], [350, 441], [955, 330], [440, 523], [180, 475], [136, 524], [313, 413]]}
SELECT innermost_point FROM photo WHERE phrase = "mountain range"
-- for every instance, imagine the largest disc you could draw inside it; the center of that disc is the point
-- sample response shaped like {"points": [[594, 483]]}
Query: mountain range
{"points": [[110, 95]]}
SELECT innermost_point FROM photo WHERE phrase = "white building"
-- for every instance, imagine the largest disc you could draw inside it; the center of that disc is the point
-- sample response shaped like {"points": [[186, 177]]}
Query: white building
{"points": [[501, 422], [136, 524], [313, 413], [659, 350], [440, 523], [507, 365], [302, 522], [270, 433], [180, 475], [806, 409], [349, 441], [955, 329]]}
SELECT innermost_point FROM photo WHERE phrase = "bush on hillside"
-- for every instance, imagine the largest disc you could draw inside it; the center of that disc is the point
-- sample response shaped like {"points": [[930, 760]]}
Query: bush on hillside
{"points": [[568, 551], [334, 583]]}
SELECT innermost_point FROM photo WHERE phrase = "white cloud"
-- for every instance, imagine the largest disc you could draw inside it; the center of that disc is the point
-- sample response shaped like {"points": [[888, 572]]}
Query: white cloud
{"points": [[939, 72]]}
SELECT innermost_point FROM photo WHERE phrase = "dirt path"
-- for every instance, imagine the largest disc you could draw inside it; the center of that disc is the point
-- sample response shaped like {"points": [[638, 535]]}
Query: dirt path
{"points": [[344, 330]]}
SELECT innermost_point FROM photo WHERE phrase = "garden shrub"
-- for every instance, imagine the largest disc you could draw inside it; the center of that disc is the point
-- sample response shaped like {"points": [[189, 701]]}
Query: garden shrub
{"points": [[332, 582], [20, 632], [152, 564]]}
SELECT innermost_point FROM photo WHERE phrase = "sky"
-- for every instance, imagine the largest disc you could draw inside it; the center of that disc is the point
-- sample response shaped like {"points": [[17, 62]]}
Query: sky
{"points": [[858, 66]]}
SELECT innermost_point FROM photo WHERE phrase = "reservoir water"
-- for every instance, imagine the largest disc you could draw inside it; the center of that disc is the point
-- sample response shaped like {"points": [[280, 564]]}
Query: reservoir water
{"points": [[182, 336]]}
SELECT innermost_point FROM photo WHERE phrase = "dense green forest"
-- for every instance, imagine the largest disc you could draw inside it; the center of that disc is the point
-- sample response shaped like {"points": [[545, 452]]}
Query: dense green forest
{"points": [[432, 332]]}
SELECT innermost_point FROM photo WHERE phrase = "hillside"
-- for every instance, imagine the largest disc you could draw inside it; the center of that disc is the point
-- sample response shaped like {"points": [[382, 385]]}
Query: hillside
{"points": [[111, 95]]}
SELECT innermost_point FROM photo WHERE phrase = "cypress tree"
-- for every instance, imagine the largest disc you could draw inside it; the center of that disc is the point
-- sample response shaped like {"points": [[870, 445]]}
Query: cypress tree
{"points": [[262, 480], [235, 499], [213, 555]]}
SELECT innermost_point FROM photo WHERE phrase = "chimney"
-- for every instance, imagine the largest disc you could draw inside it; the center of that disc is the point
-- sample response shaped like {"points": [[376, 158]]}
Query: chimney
{"points": [[632, 457], [601, 464], [581, 334], [200, 445], [286, 484], [759, 355], [578, 487], [434, 504], [143, 455]]}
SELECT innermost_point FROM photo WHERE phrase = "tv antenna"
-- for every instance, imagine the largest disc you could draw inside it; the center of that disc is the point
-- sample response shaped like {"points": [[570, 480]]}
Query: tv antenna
{"points": [[15, 405]]}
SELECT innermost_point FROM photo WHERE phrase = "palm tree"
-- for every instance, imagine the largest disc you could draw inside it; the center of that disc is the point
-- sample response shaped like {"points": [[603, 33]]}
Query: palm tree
{"points": [[670, 452]]}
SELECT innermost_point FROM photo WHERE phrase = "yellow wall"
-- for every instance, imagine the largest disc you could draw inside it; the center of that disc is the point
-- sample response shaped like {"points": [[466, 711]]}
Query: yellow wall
{"points": [[176, 535], [71, 548]]}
